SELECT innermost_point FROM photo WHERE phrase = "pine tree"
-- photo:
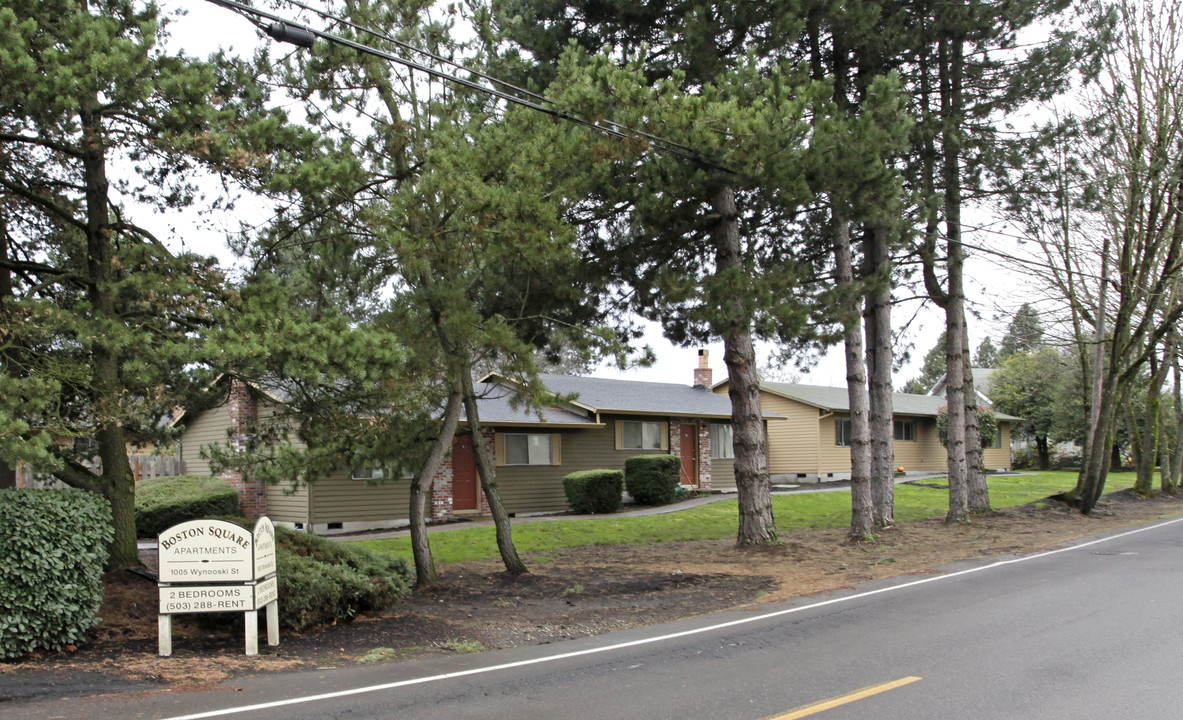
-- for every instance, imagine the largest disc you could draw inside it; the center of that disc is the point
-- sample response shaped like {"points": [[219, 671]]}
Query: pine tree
{"points": [[1024, 334], [97, 124]]}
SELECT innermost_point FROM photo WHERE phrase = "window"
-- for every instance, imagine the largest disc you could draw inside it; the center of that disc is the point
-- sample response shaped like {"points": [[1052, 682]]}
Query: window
{"points": [[374, 474], [842, 432], [642, 435], [637, 435], [997, 438], [369, 473], [722, 441], [905, 429], [527, 449]]}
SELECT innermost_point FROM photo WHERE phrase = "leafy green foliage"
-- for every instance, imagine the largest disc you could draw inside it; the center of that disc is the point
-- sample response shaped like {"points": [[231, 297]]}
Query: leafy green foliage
{"points": [[322, 581], [1024, 334], [166, 501], [653, 479], [99, 317], [931, 371], [594, 491], [987, 426], [52, 551]]}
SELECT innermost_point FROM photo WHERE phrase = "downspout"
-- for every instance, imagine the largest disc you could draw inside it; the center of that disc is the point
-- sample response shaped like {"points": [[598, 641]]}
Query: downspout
{"points": [[817, 445]]}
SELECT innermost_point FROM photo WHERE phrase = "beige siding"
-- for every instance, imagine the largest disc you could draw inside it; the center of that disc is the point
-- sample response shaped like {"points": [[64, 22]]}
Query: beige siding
{"points": [[340, 498], [287, 505], [722, 474], [831, 457], [792, 442], [923, 453], [206, 428], [999, 458], [539, 488]]}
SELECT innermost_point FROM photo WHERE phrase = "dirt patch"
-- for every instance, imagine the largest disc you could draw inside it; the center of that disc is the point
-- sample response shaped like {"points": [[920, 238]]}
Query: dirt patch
{"points": [[566, 595]]}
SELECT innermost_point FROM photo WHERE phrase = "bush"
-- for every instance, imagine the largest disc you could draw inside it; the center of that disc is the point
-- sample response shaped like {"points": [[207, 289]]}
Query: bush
{"points": [[53, 545], [594, 491], [653, 479], [322, 581], [164, 502]]}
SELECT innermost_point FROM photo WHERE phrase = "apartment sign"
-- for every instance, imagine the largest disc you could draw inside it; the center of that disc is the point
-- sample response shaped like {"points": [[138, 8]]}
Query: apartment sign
{"points": [[207, 551], [216, 566]]}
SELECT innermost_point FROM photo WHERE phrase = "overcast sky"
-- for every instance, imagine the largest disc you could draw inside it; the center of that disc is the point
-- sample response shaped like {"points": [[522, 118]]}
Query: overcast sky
{"points": [[994, 293]]}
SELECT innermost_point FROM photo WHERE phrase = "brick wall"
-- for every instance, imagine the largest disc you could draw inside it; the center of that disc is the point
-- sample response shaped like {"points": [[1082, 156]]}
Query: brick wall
{"points": [[489, 435], [704, 446], [244, 415], [441, 491]]}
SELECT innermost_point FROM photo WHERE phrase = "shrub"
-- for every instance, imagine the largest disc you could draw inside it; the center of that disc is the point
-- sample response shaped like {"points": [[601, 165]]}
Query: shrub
{"points": [[53, 545], [653, 479], [322, 581], [594, 491], [164, 502]]}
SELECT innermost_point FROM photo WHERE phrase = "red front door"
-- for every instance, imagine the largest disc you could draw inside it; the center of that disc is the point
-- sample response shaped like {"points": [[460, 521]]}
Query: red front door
{"points": [[464, 496], [689, 453]]}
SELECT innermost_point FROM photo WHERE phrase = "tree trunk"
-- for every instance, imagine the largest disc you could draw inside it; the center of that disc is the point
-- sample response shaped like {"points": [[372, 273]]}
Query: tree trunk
{"points": [[879, 360], [421, 487], [862, 517], [1043, 448], [1148, 440], [484, 466], [1100, 447], [951, 65], [756, 524], [116, 482], [1177, 449], [119, 487], [975, 461]]}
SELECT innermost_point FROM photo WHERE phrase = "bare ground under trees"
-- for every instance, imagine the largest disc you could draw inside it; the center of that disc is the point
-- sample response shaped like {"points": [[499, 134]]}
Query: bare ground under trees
{"points": [[566, 595]]}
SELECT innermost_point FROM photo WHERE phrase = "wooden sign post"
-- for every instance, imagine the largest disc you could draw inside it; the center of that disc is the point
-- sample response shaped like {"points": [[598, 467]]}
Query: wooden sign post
{"points": [[217, 566]]}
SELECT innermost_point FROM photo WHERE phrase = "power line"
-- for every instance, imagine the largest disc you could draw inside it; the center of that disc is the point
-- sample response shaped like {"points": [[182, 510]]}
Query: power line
{"points": [[285, 30], [477, 73]]}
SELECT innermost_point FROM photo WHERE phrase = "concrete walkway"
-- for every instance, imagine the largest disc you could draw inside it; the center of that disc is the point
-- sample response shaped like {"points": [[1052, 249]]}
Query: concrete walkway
{"points": [[628, 511]]}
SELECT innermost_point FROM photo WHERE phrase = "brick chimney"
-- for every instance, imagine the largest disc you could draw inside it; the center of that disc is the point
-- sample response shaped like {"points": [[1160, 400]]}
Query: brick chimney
{"points": [[702, 373], [244, 414]]}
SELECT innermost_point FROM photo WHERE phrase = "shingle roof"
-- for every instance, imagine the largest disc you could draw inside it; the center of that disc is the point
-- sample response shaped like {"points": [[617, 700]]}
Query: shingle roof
{"points": [[496, 408], [836, 398], [605, 396], [631, 396]]}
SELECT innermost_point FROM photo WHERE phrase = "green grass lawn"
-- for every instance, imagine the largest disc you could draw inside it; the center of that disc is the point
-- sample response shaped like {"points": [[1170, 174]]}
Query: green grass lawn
{"points": [[718, 519]]}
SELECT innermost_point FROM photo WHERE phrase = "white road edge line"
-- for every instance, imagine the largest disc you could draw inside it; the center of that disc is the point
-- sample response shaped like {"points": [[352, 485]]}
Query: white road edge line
{"points": [[648, 641]]}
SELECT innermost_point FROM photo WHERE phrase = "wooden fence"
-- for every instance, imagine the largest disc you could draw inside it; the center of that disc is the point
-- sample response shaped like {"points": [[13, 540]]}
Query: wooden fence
{"points": [[143, 467]]}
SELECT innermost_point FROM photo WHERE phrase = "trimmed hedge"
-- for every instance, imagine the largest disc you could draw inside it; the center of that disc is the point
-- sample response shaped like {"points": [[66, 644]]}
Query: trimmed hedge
{"points": [[53, 545], [323, 581], [594, 491], [653, 479], [164, 502]]}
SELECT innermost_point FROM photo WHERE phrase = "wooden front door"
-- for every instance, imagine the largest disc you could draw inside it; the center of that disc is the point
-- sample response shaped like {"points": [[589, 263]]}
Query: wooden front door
{"points": [[464, 485], [688, 450]]}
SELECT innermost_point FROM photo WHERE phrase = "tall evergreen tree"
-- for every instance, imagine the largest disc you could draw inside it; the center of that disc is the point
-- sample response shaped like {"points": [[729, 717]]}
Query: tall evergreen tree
{"points": [[438, 225], [98, 124], [986, 355], [1024, 334]]}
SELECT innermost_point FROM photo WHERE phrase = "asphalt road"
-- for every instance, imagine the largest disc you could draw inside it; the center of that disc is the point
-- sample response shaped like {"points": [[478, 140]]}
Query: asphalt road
{"points": [[1088, 632]]}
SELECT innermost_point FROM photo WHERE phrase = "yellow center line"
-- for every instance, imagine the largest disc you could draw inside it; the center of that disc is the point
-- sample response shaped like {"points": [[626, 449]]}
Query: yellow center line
{"points": [[822, 705]]}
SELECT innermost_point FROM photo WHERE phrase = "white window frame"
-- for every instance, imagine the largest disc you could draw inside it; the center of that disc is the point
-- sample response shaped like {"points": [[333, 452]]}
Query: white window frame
{"points": [[722, 441], [532, 458], [839, 424]]}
